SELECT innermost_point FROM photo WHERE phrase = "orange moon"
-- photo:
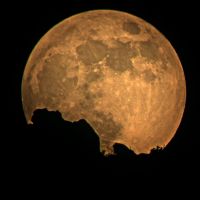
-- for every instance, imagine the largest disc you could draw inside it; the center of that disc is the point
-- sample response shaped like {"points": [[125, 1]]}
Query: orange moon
{"points": [[112, 69]]}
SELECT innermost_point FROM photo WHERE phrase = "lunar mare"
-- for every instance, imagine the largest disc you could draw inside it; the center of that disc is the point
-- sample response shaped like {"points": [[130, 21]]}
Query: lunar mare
{"points": [[112, 69]]}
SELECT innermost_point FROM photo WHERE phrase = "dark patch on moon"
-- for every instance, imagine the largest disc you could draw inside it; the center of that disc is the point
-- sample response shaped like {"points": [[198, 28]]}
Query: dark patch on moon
{"points": [[53, 81], [148, 75], [93, 31], [134, 73], [106, 126], [70, 31], [91, 52], [94, 76], [85, 104], [119, 58], [164, 66], [88, 98], [131, 27], [85, 86], [149, 49], [91, 96]]}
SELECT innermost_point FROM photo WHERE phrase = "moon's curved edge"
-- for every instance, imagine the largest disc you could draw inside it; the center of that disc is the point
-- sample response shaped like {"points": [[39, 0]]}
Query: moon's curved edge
{"points": [[39, 43]]}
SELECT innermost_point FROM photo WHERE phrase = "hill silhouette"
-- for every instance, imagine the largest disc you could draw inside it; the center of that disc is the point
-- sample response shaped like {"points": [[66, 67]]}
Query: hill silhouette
{"points": [[76, 143], [78, 136], [52, 147]]}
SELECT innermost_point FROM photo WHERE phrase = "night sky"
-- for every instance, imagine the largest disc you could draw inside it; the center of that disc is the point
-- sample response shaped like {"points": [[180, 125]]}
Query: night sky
{"points": [[55, 150]]}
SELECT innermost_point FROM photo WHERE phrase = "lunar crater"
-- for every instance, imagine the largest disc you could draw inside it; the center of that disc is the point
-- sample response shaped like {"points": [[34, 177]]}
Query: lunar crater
{"points": [[131, 27]]}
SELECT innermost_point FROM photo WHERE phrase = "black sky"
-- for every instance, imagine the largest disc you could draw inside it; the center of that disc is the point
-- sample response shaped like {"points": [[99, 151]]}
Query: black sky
{"points": [[43, 147]]}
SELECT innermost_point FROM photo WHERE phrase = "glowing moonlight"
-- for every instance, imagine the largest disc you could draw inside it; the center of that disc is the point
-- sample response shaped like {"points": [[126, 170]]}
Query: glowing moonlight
{"points": [[112, 69]]}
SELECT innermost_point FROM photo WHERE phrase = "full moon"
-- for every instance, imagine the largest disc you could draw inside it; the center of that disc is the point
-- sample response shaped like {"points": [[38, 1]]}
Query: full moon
{"points": [[112, 69]]}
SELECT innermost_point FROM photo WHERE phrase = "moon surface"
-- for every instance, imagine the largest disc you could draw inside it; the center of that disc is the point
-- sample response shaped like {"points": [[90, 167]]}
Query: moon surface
{"points": [[112, 69]]}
